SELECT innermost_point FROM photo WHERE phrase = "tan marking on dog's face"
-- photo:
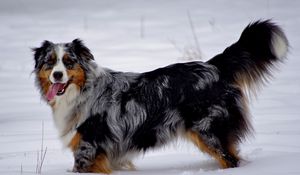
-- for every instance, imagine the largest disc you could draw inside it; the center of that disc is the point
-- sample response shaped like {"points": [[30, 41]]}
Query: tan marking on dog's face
{"points": [[45, 72], [43, 76], [101, 165], [75, 73], [77, 76]]}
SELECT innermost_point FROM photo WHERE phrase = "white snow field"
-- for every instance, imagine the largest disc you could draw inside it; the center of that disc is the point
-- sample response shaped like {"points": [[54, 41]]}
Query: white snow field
{"points": [[142, 35]]}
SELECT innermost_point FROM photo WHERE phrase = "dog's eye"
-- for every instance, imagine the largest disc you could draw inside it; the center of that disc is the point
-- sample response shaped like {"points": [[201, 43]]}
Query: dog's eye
{"points": [[69, 63], [50, 63]]}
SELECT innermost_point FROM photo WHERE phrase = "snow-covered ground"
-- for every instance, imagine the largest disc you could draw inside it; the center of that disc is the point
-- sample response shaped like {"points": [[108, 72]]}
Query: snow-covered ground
{"points": [[141, 35]]}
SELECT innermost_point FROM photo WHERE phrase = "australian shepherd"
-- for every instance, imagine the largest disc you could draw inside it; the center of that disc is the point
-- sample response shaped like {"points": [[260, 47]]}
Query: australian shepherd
{"points": [[106, 117]]}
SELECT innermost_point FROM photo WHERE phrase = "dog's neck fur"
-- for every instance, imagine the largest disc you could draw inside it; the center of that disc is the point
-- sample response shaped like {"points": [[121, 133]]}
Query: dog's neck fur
{"points": [[64, 116]]}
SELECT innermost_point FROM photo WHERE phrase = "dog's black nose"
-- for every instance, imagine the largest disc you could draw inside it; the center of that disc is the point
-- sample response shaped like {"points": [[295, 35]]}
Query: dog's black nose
{"points": [[57, 75]]}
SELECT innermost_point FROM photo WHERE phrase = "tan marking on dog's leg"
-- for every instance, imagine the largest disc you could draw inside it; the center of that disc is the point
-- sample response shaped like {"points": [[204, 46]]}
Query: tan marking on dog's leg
{"points": [[101, 165], [75, 141], [196, 139], [233, 151]]}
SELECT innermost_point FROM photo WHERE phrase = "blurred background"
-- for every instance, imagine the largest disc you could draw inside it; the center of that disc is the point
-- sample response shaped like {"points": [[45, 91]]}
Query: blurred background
{"points": [[141, 35]]}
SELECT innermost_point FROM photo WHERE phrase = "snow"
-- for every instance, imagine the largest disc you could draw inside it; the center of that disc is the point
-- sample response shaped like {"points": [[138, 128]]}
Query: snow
{"points": [[141, 35]]}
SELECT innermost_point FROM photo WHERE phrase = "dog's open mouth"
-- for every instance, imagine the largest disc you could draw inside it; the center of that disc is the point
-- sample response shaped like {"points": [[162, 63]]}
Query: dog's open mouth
{"points": [[56, 89]]}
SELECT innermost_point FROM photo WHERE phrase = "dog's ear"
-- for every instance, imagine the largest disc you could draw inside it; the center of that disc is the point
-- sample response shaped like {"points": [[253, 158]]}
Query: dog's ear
{"points": [[40, 52], [81, 50]]}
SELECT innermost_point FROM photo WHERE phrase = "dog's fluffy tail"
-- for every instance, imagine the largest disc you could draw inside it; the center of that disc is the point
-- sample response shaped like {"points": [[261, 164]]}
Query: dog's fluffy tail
{"points": [[250, 61]]}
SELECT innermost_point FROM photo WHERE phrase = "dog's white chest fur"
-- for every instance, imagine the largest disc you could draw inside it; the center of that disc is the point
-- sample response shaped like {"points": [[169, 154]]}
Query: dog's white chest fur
{"points": [[62, 111]]}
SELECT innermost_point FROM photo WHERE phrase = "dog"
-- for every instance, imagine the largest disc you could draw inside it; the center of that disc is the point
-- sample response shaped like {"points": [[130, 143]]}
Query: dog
{"points": [[107, 117]]}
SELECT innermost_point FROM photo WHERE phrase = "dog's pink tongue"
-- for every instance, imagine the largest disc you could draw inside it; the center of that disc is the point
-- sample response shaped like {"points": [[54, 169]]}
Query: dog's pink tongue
{"points": [[54, 88]]}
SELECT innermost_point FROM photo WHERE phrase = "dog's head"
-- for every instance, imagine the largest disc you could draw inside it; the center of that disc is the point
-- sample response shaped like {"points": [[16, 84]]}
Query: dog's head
{"points": [[61, 66]]}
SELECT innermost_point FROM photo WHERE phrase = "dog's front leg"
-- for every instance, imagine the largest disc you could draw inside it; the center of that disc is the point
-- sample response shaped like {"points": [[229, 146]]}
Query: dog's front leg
{"points": [[84, 156], [87, 159]]}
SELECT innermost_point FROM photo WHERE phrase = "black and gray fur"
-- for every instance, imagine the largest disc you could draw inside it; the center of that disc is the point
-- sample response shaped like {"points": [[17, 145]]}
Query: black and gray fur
{"points": [[128, 113]]}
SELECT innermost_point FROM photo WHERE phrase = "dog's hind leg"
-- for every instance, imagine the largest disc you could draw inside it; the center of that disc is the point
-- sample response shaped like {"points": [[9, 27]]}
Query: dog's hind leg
{"points": [[209, 143]]}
